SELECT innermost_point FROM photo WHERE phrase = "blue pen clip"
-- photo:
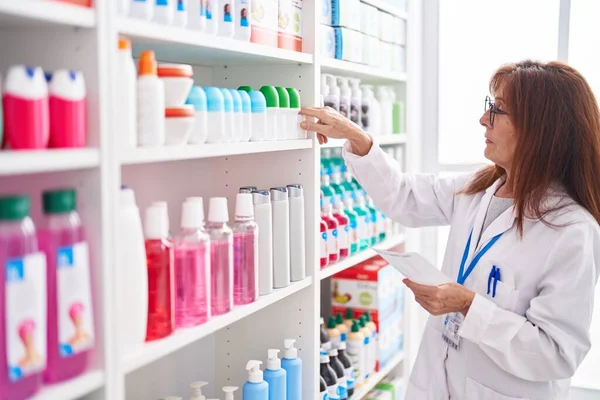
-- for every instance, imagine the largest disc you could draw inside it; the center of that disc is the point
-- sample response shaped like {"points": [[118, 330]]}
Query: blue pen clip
{"points": [[496, 281], [495, 276]]}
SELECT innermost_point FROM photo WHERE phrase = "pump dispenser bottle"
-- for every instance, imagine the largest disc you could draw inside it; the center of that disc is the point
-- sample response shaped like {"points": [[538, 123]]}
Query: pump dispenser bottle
{"points": [[196, 390], [284, 124], [281, 237], [229, 390], [256, 388], [355, 102], [345, 95], [264, 219], [275, 376], [330, 92], [297, 239], [221, 256], [293, 368]]}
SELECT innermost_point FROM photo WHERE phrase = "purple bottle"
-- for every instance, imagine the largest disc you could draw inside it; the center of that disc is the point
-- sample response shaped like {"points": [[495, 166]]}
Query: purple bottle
{"points": [[192, 267], [245, 251], [221, 257]]}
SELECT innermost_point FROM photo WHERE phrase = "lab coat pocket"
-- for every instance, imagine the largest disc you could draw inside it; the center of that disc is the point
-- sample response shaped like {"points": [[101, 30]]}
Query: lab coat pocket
{"points": [[476, 391], [505, 295]]}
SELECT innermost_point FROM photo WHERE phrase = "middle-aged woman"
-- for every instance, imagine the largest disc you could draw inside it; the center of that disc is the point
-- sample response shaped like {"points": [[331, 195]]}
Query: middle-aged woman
{"points": [[524, 242]]}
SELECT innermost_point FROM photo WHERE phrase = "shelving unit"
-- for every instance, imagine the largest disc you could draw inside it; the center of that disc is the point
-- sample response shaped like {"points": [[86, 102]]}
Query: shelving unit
{"points": [[60, 35], [387, 140], [375, 379]]}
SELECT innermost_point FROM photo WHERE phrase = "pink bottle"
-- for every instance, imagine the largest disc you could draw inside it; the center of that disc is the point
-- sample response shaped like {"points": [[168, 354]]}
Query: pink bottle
{"points": [[221, 257], [22, 329], [245, 251], [70, 335], [68, 114], [333, 244], [25, 104], [192, 267]]}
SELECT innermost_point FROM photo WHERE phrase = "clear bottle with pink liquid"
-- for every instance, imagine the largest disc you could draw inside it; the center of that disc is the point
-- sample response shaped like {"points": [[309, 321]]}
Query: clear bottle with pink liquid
{"points": [[245, 251], [22, 327], [70, 335], [192, 267], [221, 257]]}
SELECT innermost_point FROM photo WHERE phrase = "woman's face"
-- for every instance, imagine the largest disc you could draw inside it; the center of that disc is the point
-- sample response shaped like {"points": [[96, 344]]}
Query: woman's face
{"points": [[500, 139]]}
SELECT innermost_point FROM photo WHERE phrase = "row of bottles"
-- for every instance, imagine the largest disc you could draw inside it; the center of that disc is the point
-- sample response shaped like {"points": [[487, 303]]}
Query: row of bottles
{"points": [[46, 311]]}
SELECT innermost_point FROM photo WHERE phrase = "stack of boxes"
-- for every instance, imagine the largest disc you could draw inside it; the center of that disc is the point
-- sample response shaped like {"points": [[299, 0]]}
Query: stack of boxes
{"points": [[359, 32], [277, 23], [377, 287]]}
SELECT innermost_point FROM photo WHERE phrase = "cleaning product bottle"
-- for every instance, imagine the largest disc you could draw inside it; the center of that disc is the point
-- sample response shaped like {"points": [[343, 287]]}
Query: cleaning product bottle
{"points": [[323, 248], [70, 335], [284, 130], [349, 318], [192, 267], [237, 115], [338, 368], [356, 102], [366, 223], [242, 20], [226, 24], [374, 215], [339, 320], [246, 119], [272, 99], [213, 16], [197, 15], [330, 92], [221, 257], [159, 261], [281, 237], [348, 370], [260, 124], [197, 98], [325, 342], [24, 278], [333, 244], [295, 117], [142, 9], [356, 352], [345, 95], [164, 11], [323, 389], [333, 332], [133, 288], [68, 111], [297, 233], [126, 109], [180, 19], [245, 251], [380, 222], [343, 227], [151, 103], [275, 376], [215, 116], [256, 388], [229, 390], [374, 344], [351, 231], [264, 219], [229, 117], [293, 368], [369, 356], [196, 390], [329, 376]]}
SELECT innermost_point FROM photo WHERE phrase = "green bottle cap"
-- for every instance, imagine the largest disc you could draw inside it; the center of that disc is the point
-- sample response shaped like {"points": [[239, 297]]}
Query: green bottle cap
{"points": [[368, 316], [59, 201], [331, 324], [284, 97], [271, 96], [339, 319], [13, 208], [362, 322], [294, 97], [245, 88], [349, 313], [355, 327]]}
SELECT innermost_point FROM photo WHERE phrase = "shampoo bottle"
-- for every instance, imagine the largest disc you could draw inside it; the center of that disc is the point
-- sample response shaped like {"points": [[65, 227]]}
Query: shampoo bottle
{"points": [[297, 234], [215, 115], [281, 237], [213, 13], [264, 219], [371, 112], [330, 92], [126, 109], [256, 388], [181, 14], [293, 368], [339, 320], [221, 257], [229, 390], [197, 14], [242, 20], [196, 390], [272, 100], [333, 332], [329, 376], [151, 103], [68, 110], [345, 95], [333, 245], [275, 376], [246, 119], [245, 251]]}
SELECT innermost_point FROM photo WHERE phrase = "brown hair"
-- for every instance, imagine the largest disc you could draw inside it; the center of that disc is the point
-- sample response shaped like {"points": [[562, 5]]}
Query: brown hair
{"points": [[557, 123]]}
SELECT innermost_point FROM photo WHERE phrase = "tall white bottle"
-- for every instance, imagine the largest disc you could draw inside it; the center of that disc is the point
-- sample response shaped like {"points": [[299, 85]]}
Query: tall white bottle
{"points": [[345, 95], [264, 218], [356, 102], [150, 103], [228, 17], [281, 237], [141, 9], [164, 11], [242, 20], [385, 104], [213, 15], [297, 233], [127, 108], [371, 115]]}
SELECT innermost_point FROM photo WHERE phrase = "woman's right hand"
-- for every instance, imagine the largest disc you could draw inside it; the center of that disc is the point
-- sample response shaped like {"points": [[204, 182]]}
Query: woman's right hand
{"points": [[331, 124]]}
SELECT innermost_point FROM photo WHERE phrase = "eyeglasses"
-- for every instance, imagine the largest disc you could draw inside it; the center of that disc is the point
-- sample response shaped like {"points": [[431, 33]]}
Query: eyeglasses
{"points": [[491, 107]]}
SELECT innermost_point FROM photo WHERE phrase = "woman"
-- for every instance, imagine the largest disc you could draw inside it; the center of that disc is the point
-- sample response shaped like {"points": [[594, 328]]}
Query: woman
{"points": [[524, 242]]}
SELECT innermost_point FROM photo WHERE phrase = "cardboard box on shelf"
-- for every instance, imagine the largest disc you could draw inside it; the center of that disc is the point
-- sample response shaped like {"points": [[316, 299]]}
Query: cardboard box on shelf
{"points": [[327, 41], [348, 45], [289, 25], [346, 13], [264, 22]]}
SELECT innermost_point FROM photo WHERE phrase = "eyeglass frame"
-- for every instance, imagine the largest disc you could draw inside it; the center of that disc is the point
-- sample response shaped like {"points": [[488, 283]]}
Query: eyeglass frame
{"points": [[491, 107]]}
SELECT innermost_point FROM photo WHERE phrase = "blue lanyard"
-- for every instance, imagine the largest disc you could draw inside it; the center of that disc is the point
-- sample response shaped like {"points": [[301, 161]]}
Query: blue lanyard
{"points": [[462, 275]]}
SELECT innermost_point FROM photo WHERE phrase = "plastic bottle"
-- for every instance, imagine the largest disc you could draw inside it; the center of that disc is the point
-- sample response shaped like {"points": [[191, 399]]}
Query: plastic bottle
{"points": [[264, 219], [160, 261], [356, 102], [281, 237], [380, 220], [124, 7], [19, 251], [370, 351], [339, 320], [275, 376], [297, 233], [181, 14], [228, 119], [246, 118], [272, 99], [371, 111], [142, 9], [351, 230], [237, 115], [345, 95], [26, 109], [213, 16], [335, 336], [349, 371], [192, 267], [296, 118], [164, 11], [331, 96], [293, 368], [196, 390], [349, 318], [344, 233], [221, 256], [284, 123], [356, 353], [197, 98], [215, 106], [229, 390], [245, 251], [126, 109], [256, 388], [70, 335], [323, 389], [227, 22], [338, 368], [242, 20], [373, 341], [385, 103], [375, 222], [325, 342], [365, 223], [329, 376], [197, 15], [68, 110], [151, 103], [333, 244], [260, 125]]}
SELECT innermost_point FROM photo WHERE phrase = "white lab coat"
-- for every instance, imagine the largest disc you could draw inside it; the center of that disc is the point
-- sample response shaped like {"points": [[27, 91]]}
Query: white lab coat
{"points": [[525, 343]]}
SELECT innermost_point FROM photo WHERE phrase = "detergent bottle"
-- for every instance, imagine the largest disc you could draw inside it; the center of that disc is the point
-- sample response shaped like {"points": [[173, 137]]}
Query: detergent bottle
{"points": [[68, 114]]}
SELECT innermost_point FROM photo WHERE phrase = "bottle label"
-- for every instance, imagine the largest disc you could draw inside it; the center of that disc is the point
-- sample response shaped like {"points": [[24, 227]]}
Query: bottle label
{"points": [[354, 353], [355, 113], [332, 242], [324, 240], [350, 378], [162, 3], [75, 313], [25, 315], [180, 5], [208, 7], [366, 229], [325, 396], [342, 388], [344, 235], [244, 13], [354, 231], [203, 8], [333, 392], [227, 12]]}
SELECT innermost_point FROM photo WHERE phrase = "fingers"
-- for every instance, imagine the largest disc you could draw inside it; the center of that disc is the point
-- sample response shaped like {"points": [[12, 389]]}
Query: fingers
{"points": [[316, 112], [421, 289], [315, 127], [322, 139]]}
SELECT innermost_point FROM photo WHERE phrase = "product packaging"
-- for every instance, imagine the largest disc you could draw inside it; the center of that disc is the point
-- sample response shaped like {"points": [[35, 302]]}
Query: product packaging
{"points": [[290, 25]]}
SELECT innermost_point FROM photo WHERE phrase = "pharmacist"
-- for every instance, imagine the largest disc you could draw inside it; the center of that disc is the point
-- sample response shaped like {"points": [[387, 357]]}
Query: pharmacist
{"points": [[524, 244]]}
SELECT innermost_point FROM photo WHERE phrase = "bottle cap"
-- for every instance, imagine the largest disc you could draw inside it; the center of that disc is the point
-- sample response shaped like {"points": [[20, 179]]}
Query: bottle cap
{"points": [[261, 197], [214, 99], [124, 44], [271, 96], [294, 97], [284, 97], [362, 321], [290, 351], [26, 82], [147, 64], [279, 194], [14, 208], [175, 70], [197, 98], [217, 210], [294, 190], [333, 352], [339, 319], [246, 103], [341, 346], [196, 389], [227, 100], [156, 222], [67, 84], [60, 201], [255, 375], [243, 206], [192, 214], [245, 88], [127, 196], [355, 326], [331, 323], [183, 111], [258, 103], [229, 392], [247, 189], [324, 357], [273, 363], [237, 100], [368, 316]]}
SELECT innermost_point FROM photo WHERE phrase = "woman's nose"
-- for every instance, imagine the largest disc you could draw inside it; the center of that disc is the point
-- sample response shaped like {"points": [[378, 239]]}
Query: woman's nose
{"points": [[485, 119]]}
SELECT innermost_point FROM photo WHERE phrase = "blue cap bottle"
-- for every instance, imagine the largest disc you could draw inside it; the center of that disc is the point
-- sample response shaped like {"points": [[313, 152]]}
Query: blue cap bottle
{"points": [[215, 107], [228, 116], [258, 104], [197, 98], [246, 116], [237, 115]]}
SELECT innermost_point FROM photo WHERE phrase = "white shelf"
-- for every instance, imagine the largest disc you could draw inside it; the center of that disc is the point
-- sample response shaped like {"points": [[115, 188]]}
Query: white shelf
{"points": [[50, 160], [375, 379], [384, 6], [387, 140], [364, 72], [181, 45], [360, 257], [177, 153], [74, 388], [32, 13], [153, 351]]}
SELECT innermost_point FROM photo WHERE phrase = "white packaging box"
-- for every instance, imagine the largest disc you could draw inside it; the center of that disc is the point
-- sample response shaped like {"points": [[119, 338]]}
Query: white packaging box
{"points": [[348, 45], [386, 55], [386, 27], [325, 12], [369, 17], [346, 13], [372, 51], [327, 41]]}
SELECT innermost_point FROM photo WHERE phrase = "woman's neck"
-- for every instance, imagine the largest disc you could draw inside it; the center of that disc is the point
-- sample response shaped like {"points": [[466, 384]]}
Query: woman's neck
{"points": [[505, 190]]}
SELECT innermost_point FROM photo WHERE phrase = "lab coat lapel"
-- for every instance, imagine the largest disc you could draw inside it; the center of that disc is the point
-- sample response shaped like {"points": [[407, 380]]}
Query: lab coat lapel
{"points": [[480, 217], [503, 223]]}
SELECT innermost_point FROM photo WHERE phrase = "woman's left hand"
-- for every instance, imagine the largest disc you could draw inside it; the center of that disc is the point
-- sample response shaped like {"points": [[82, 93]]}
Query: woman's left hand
{"points": [[442, 299]]}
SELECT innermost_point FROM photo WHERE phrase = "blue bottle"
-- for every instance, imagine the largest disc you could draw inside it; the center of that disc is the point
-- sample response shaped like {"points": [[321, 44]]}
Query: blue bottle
{"points": [[275, 376], [256, 388], [293, 367]]}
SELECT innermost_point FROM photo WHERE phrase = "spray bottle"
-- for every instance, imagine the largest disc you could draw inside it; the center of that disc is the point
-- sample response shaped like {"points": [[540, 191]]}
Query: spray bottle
{"points": [[229, 390], [256, 388], [356, 102], [196, 389], [331, 96], [293, 368], [345, 95], [275, 376]]}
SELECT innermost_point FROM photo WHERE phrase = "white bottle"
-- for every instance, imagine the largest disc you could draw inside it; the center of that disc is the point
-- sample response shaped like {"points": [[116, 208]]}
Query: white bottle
{"points": [[242, 19], [164, 11], [228, 116], [215, 115], [246, 116], [229, 390], [385, 104], [281, 237], [126, 109], [297, 233], [196, 390], [345, 95], [331, 95], [272, 101], [197, 15], [150, 103], [259, 116], [238, 117], [283, 127], [124, 7], [133, 282], [356, 102], [228, 17], [213, 14], [142, 9], [264, 219], [181, 14], [371, 112]]}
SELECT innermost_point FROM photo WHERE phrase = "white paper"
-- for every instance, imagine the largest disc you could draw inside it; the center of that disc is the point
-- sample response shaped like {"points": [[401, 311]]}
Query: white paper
{"points": [[415, 267]]}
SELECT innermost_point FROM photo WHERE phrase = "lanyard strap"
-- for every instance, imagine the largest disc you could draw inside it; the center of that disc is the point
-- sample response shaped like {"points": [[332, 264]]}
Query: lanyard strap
{"points": [[462, 274]]}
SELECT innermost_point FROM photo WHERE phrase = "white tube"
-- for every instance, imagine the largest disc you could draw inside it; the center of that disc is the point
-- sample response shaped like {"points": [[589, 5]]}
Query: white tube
{"points": [[264, 220], [281, 237], [297, 234]]}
